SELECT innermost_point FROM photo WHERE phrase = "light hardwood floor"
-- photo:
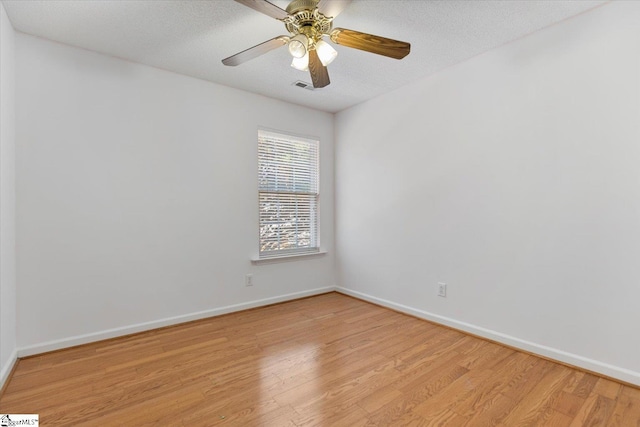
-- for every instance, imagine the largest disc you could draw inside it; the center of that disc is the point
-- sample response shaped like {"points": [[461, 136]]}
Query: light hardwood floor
{"points": [[329, 360]]}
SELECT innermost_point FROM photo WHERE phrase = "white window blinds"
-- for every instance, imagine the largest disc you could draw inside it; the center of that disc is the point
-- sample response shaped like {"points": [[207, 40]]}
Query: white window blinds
{"points": [[288, 194]]}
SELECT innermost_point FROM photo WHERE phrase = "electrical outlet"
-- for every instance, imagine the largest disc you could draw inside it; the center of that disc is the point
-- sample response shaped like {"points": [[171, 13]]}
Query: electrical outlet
{"points": [[248, 280], [442, 289]]}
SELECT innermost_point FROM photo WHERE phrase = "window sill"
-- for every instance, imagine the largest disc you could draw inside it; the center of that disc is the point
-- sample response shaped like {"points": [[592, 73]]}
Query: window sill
{"points": [[286, 258]]}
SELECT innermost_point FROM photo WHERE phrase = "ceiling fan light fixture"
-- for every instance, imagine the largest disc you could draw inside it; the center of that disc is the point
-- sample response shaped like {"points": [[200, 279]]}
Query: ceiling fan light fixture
{"points": [[299, 46], [307, 22], [326, 53], [301, 64]]}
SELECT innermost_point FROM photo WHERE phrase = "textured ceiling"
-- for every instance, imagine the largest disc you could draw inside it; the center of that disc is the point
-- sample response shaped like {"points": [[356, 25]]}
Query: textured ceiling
{"points": [[192, 37]]}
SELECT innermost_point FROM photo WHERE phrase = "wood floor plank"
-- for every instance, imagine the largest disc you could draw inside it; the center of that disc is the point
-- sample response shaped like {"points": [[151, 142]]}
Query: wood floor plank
{"points": [[516, 362], [397, 387], [626, 413], [329, 360], [442, 403], [544, 396], [331, 379], [582, 417], [395, 410], [573, 382], [321, 414], [558, 419], [584, 387], [424, 353], [408, 419], [493, 412], [601, 412], [568, 404], [379, 398], [27, 366], [607, 388]]}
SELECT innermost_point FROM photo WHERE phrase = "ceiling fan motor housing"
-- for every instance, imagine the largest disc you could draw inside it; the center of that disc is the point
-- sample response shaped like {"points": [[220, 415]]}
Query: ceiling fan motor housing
{"points": [[304, 18], [297, 5]]}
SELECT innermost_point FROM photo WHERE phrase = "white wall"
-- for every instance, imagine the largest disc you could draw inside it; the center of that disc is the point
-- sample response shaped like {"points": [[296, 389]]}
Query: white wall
{"points": [[137, 197], [7, 200], [513, 177]]}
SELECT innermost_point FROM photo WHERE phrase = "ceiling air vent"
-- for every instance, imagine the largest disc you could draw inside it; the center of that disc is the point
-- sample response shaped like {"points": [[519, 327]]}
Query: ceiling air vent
{"points": [[303, 85]]}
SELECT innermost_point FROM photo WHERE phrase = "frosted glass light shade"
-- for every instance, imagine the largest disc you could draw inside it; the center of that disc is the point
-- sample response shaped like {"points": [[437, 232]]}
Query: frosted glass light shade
{"points": [[298, 46], [301, 64], [325, 52]]}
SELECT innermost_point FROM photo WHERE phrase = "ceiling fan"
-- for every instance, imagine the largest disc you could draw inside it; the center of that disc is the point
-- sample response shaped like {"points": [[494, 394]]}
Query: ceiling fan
{"points": [[308, 21]]}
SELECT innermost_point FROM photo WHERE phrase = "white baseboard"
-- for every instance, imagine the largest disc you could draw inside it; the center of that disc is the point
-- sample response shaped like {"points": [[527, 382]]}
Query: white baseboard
{"points": [[8, 366], [616, 372], [141, 327]]}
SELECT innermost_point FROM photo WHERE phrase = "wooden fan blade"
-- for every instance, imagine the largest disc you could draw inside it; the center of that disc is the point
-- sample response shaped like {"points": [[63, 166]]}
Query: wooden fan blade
{"points": [[370, 43], [255, 51], [332, 8], [319, 73], [265, 7]]}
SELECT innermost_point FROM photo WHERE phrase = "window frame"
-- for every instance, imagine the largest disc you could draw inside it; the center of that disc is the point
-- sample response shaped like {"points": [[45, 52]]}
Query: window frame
{"points": [[281, 138]]}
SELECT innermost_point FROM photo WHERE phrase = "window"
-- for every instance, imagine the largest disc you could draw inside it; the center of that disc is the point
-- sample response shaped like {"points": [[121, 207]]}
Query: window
{"points": [[288, 194]]}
